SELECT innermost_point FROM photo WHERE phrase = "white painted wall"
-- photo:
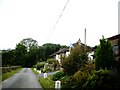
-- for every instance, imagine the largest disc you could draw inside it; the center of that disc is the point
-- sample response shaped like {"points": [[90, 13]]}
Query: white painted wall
{"points": [[67, 53], [90, 57], [58, 57]]}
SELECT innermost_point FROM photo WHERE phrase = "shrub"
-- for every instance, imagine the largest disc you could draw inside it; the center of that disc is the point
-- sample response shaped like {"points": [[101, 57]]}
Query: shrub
{"points": [[50, 61], [39, 65], [9, 69], [75, 60], [58, 75], [102, 79], [56, 65], [79, 76], [48, 69], [104, 57], [78, 79], [66, 81]]}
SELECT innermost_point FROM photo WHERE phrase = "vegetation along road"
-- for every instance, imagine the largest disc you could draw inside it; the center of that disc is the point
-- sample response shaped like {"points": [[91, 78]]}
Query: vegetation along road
{"points": [[24, 79]]}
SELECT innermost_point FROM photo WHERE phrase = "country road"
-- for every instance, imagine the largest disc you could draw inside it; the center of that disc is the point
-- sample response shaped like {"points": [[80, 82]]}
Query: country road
{"points": [[23, 79]]}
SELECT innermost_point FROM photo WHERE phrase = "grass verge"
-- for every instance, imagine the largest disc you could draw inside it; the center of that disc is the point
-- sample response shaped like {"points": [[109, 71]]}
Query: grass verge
{"points": [[9, 74], [46, 83], [35, 72]]}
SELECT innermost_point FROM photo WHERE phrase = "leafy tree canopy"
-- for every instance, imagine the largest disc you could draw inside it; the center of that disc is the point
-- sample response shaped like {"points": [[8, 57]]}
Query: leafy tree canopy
{"points": [[104, 57]]}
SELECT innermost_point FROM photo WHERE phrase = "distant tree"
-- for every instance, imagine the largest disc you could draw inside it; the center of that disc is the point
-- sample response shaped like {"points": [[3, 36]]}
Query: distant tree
{"points": [[8, 57], [41, 53], [20, 54], [64, 46], [27, 53], [33, 56], [29, 43], [32, 51], [104, 57], [50, 48]]}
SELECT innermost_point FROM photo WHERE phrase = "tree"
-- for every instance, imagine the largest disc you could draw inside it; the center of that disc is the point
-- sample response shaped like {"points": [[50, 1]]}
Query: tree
{"points": [[29, 43], [104, 57], [20, 54], [50, 49], [41, 53], [75, 60], [32, 57], [8, 57], [32, 51]]}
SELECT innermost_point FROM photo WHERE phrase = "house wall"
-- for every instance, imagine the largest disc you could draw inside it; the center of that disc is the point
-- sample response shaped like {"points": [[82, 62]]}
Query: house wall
{"points": [[90, 55], [116, 47], [67, 53], [114, 42], [57, 57]]}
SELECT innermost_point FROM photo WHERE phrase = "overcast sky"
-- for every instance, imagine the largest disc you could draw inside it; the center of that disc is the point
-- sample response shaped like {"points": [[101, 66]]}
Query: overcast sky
{"points": [[21, 19]]}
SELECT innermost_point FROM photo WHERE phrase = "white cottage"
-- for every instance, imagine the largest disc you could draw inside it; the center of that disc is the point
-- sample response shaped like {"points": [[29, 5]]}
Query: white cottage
{"points": [[64, 52]]}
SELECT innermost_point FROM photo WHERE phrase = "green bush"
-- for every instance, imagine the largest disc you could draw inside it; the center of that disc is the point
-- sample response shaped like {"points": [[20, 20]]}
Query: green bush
{"points": [[104, 57], [51, 61], [78, 79], [48, 69], [9, 69], [102, 79], [40, 65], [75, 60], [58, 76], [66, 82]]}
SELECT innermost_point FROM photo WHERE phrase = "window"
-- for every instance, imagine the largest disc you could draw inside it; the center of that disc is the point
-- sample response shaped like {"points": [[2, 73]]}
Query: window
{"points": [[116, 50]]}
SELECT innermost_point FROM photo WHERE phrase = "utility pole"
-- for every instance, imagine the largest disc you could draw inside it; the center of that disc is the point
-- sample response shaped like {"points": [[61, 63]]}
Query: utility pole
{"points": [[85, 38], [119, 17]]}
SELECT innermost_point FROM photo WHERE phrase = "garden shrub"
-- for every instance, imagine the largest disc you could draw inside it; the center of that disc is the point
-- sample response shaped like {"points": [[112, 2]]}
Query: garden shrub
{"points": [[51, 61], [9, 69], [102, 79], [39, 65], [66, 81], [78, 79], [48, 69], [58, 75]]}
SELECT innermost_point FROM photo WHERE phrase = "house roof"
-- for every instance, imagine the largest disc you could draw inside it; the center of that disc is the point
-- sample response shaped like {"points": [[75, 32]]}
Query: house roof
{"points": [[63, 50], [114, 37]]}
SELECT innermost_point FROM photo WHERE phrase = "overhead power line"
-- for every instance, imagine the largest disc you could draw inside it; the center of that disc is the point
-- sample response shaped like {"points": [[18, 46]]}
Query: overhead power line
{"points": [[57, 20]]}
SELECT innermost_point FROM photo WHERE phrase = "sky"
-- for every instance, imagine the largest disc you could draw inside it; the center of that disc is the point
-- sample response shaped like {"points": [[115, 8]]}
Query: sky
{"points": [[20, 19]]}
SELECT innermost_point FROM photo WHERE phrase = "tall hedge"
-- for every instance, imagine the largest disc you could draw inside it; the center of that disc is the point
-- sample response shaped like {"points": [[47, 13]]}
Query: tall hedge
{"points": [[104, 57]]}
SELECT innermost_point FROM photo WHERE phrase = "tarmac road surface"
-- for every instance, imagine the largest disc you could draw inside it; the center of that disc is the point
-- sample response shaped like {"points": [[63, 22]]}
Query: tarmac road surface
{"points": [[23, 79]]}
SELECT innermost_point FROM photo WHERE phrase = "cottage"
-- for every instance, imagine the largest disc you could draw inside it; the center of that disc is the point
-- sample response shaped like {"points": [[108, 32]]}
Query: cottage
{"points": [[65, 52], [61, 53], [115, 41]]}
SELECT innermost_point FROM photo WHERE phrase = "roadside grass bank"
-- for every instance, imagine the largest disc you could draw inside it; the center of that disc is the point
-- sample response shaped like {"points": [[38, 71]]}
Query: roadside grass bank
{"points": [[46, 83], [35, 72], [9, 74]]}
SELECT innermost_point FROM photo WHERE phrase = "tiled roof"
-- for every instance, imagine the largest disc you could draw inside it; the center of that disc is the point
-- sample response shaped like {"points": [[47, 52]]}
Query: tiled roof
{"points": [[114, 37], [63, 50]]}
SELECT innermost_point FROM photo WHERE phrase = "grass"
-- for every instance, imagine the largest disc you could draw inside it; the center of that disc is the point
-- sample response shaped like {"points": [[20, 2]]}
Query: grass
{"points": [[35, 72], [9, 74], [46, 83]]}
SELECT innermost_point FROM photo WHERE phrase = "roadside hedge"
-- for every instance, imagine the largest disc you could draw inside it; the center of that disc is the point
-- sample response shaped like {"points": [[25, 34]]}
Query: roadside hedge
{"points": [[58, 75], [9, 69]]}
